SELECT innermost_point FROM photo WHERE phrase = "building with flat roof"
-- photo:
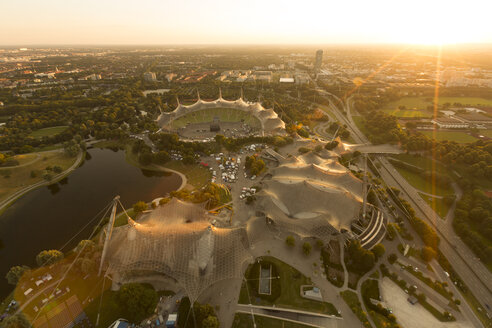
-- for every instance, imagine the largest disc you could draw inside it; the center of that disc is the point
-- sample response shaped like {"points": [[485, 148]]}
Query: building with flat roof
{"points": [[150, 76], [450, 123]]}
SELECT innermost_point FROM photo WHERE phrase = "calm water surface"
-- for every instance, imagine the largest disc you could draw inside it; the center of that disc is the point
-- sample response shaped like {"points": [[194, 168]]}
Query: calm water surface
{"points": [[48, 217]]}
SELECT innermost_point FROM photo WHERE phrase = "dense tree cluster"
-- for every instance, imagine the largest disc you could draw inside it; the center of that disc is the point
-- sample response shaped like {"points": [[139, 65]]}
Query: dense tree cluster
{"points": [[112, 116], [138, 300], [201, 316], [359, 259], [254, 164], [473, 223], [382, 127], [213, 194], [425, 231], [48, 257], [15, 274], [343, 132]]}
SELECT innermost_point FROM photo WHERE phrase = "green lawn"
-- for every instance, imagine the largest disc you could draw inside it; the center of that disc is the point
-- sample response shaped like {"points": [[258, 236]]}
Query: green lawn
{"points": [[244, 320], [458, 136], [423, 102], [352, 301], [13, 179], [359, 121], [290, 286], [438, 205], [486, 133], [370, 289], [425, 163], [48, 132], [423, 184], [471, 101], [409, 103], [409, 113], [197, 175]]}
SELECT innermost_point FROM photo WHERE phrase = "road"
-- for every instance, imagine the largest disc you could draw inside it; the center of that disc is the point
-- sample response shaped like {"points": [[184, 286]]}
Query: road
{"points": [[477, 277]]}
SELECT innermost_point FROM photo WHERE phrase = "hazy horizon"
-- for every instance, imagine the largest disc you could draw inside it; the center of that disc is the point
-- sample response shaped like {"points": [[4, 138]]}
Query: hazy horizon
{"points": [[221, 22]]}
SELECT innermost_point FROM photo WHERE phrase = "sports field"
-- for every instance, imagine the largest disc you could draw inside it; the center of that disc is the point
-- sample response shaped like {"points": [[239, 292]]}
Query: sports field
{"points": [[410, 103], [423, 102], [224, 115], [472, 101], [460, 137], [409, 113], [48, 132], [486, 133]]}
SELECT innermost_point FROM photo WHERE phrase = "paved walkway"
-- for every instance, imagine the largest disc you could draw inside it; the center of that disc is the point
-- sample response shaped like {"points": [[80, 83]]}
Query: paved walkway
{"points": [[297, 316], [184, 180], [57, 177]]}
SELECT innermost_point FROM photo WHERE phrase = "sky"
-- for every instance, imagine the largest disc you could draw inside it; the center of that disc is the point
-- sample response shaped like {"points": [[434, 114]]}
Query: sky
{"points": [[160, 22]]}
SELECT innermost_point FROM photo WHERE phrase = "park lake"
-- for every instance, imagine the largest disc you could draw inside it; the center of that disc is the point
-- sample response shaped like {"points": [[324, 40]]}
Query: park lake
{"points": [[48, 217]]}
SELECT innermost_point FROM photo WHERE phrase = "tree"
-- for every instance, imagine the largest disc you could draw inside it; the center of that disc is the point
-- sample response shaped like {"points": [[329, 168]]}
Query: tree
{"points": [[331, 145], [15, 273], [427, 254], [71, 148], [162, 157], [378, 251], [360, 260], [86, 245], [210, 322], [220, 139], [48, 257], [290, 241], [57, 169], [392, 258], [145, 158], [319, 243], [163, 201], [139, 207], [306, 248], [138, 300], [17, 321]]}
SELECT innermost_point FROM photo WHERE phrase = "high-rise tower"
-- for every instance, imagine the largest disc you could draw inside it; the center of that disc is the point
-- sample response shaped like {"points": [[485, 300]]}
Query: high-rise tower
{"points": [[318, 61]]}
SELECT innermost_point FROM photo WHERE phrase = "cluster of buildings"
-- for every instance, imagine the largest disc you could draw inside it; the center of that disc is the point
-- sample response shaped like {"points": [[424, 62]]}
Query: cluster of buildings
{"points": [[297, 77], [463, 118], [456, 77]]}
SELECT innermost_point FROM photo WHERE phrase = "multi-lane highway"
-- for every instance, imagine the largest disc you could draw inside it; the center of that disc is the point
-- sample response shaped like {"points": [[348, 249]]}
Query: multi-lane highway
{"points": [[477, 277]]}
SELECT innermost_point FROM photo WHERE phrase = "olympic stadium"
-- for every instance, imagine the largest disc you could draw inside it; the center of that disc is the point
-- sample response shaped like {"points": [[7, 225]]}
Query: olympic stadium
{"points": [[231, 118]]}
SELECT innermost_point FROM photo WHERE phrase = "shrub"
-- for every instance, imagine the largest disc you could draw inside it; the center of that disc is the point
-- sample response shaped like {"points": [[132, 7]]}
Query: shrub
{"points": [[15, 273], [392, 258], [48, 257], [306, 248], [290, 241], [428, 254], [303, 150], [139, 207]]}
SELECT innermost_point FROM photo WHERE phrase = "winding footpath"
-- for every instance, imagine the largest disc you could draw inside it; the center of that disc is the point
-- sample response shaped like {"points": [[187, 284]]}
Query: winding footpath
{"points": [[11, 198]]}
